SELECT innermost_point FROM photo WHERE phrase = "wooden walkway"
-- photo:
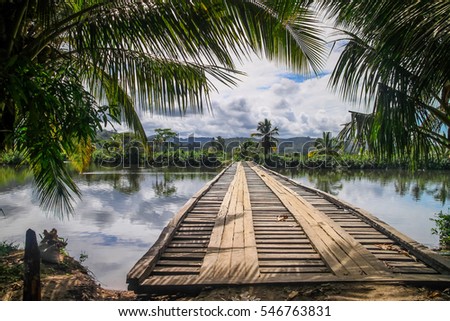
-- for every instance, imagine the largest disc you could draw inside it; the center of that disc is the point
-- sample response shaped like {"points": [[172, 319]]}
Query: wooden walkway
{"points": [[250, 225]]}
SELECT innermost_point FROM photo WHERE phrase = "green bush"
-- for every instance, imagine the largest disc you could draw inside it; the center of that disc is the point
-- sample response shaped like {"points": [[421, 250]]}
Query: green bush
{"points": [[11, 157], [7, 248], [442, 229]]}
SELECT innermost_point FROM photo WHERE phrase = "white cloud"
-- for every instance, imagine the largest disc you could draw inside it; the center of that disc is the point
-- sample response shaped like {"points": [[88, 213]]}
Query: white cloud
{"points": [[299, 105]]}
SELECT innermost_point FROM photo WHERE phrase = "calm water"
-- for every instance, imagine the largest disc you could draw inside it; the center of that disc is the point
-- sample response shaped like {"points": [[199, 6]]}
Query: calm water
{"points": [[402, 199], [123, 212]]}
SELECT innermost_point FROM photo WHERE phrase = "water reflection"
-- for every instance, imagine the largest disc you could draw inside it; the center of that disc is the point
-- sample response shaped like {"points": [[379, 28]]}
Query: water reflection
{"points": [[164, 187], [405, 200], [417, 185], [120, 216], [123, 212]]}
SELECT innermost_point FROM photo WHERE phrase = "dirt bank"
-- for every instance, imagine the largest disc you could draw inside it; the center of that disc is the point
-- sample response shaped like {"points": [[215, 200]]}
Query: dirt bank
{"points": [[72, 281]]}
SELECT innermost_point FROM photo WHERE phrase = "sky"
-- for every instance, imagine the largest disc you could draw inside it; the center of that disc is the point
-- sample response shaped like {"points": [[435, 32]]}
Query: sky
{"points": [[298, 105]]}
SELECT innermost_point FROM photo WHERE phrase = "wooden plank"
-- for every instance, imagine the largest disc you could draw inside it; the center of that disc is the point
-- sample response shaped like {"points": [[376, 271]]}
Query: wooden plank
{"points": [[376, 241], [422, 252], [415, 270], [207, 270], [283, 241], [195, 228], [300, 270], [158, 270], [179, 263], [237, 264], [191, 236], [222, 266], [280, 233], [286, 237], [290, 263], [408, 264], [288, 256], [285, 250], [189, 242], [285, 246], [186, 245], [183, 255], [184, 250], [329, 238], [393, 257], [372, 236]]}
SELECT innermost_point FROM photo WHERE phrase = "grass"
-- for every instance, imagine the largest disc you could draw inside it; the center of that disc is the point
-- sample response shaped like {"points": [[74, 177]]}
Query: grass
{"points": [[9, 271]]}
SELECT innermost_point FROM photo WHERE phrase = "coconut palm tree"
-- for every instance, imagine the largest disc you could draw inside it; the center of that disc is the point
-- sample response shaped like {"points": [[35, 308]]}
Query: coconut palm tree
{"points": [[69, 67], [396, 59], [328, 146], [248, 150], [266, 132], [219, 143], [161, 137]]}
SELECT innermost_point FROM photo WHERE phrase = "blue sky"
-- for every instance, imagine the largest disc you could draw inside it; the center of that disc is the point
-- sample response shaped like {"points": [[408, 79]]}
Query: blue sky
{"points": [[299, 105]]}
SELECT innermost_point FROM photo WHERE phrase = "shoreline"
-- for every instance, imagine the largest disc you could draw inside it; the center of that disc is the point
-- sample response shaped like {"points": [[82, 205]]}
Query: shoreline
{"points": [[71, 281]]}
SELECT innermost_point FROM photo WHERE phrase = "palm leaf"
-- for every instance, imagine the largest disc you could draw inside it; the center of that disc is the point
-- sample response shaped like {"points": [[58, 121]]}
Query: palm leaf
{"points": [[136, 55]]}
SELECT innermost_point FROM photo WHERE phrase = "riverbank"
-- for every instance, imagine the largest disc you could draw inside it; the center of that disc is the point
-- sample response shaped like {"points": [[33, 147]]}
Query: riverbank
{"points": [[68, 281], [71, 281]]}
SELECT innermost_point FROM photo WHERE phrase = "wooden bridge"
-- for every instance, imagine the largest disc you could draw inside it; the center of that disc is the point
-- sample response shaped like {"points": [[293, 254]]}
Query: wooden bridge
{"points": [[250, 225]]}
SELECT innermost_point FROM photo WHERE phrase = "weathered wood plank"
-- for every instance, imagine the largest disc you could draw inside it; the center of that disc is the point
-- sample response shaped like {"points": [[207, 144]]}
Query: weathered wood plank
{"points": [[143, 267], [299, 270], [291, 263], [288, 256], [207, 270], [250, 248], [182, 255], [338, 248]]}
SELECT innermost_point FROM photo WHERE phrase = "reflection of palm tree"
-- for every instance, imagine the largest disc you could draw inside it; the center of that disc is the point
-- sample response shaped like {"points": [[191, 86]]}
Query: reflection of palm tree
{"points": [[440, 192], [128, 184], [329, 182], [266, 132], [165, 187]]}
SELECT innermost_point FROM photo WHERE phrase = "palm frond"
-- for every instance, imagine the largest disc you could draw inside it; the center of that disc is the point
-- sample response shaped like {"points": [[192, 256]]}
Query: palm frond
{"points": [[149, 55]]}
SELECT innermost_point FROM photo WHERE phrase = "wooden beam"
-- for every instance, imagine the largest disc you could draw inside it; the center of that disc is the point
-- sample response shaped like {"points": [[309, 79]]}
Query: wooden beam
{"points": [[32, 268]]}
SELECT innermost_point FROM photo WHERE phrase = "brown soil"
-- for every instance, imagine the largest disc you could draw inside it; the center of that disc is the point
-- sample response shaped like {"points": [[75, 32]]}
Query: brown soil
{"points": [[72, 281], [68, 281]]}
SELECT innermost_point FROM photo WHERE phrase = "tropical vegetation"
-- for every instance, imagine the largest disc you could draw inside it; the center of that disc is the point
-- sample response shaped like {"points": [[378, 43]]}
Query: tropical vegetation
{"points": [[442, 229], [266, 132], [70, 67], [161, 137], [328, 148], [396, 59]]}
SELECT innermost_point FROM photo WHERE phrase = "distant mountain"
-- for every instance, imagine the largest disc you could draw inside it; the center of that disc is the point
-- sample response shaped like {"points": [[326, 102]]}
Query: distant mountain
{"points": [[285, 145], [295, 144]]}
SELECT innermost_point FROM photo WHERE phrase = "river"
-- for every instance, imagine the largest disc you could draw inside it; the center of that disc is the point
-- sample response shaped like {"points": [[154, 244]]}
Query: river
{"points": [[122, 212]]}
